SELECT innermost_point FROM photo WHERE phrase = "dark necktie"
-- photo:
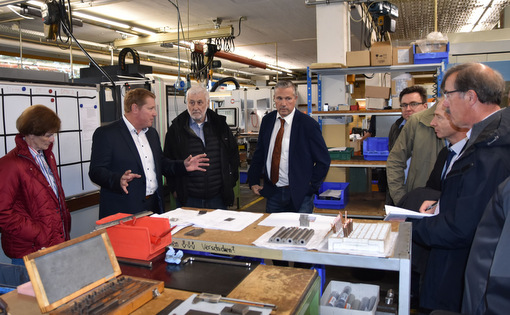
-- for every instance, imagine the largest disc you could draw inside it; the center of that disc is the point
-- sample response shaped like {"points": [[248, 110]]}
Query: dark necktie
{"points": [[451, 154], [277, 152]]}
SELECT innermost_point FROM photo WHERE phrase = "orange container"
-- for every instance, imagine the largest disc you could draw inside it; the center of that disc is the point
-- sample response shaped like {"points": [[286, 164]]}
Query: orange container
{"points": [[143, 238]]}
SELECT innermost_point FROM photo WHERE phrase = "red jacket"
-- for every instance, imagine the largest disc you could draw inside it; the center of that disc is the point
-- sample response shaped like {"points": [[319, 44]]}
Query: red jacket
{"points": [[31, 215]]}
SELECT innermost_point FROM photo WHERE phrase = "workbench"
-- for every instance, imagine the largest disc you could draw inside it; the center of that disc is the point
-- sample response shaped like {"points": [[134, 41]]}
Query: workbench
{"points": [[293, 290], [241, 244]]}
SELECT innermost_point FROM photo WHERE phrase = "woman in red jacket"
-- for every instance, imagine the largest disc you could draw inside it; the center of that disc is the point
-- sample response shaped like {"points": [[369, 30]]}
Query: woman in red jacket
{"points": [[33, 212]]}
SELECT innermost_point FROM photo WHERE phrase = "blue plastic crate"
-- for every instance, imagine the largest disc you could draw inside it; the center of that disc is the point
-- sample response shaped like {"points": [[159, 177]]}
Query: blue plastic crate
{"points": [[332, 204], [431, 57], [375, 149], [12, 276], [243, 177]]}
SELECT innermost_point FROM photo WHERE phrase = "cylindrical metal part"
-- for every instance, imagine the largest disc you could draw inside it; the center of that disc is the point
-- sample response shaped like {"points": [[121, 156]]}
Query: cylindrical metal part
{"points": [[288, 239], [272, 238], [299, 236], [306, 237], [282, 236]]}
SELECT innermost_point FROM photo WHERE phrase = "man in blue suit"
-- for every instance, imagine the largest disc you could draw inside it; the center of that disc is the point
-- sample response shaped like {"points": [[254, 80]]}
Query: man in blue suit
{"points": [[127, 160], [303, 159]]}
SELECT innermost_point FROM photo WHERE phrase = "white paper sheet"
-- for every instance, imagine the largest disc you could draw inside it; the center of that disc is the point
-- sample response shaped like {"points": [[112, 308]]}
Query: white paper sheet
{"points": [[179, 217], [225, 220], [396, 213]]}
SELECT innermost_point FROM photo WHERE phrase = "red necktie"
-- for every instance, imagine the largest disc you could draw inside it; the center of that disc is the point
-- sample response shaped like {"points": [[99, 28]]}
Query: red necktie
{"points": [[277, 152]]}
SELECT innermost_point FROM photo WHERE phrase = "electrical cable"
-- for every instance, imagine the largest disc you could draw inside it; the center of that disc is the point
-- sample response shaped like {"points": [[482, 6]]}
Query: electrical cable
{"points": [[240, 19]]}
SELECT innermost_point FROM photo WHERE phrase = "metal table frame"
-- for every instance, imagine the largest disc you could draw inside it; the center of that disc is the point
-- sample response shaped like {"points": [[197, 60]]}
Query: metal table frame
{"points": [[400, 261]]}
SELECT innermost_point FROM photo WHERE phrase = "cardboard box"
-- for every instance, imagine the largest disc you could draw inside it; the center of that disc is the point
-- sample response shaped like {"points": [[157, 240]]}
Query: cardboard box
{"points": [[376, 103], [381, 54], [403, 55], [377, 92], [358, 58], [395, 103], [398, 85], [359, 290]]}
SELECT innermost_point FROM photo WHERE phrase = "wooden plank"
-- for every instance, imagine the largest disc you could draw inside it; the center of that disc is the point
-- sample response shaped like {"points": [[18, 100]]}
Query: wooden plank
{"points": [[282, 286]]}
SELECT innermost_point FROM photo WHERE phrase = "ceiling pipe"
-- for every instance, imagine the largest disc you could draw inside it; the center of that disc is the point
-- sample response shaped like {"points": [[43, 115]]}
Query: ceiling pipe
{"points": [[104, 58], [235, 58]]}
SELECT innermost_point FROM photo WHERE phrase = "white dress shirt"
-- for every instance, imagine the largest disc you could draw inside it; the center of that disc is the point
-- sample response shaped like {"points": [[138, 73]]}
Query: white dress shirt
{"points": [[145, 152], [283, 179]]}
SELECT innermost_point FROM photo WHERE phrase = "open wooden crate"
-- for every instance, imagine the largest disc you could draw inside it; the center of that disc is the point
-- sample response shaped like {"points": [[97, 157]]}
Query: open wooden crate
{"points": [[83, 276]]}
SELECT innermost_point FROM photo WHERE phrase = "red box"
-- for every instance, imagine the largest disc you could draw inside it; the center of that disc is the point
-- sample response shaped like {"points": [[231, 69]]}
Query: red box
{"points": [[355, 107], [143, 238]]}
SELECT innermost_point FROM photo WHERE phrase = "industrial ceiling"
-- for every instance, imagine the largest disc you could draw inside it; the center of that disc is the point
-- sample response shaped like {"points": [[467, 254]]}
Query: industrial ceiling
{"points": [[268, 34]]}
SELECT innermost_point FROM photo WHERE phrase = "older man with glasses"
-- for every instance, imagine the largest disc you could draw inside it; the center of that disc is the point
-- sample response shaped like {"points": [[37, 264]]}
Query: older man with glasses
{"points": [[473, 94], [414, 153]]}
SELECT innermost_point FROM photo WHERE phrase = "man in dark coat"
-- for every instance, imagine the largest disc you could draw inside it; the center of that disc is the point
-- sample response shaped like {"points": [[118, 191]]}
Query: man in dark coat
{"points": [[200, 130], [473, 93], [487, 280], [127, 160], [303, 161]]}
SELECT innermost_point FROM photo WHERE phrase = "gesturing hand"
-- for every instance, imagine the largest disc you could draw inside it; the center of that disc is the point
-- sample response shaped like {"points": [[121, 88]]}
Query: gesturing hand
{"points": [[196, 162], [126, 178]]}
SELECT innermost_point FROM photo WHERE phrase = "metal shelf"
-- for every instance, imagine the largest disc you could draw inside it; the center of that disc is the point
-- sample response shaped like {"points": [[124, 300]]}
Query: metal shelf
{"points": [[358, 70], [336, 113]]}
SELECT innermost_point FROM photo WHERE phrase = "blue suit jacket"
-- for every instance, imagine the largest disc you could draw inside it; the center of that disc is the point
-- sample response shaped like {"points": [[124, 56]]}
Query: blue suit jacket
{"points": [[114, 152], [308, 157]]}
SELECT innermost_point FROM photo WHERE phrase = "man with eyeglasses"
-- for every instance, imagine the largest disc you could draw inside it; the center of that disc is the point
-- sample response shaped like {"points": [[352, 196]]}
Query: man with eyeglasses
{"points": [[414, 153], [473, 94], [412, 100], [198, 130]]}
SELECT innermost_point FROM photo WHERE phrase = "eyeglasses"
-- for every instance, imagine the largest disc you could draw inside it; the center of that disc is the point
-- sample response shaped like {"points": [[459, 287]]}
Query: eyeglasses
{"points": [[447, 93], [412, 105]]}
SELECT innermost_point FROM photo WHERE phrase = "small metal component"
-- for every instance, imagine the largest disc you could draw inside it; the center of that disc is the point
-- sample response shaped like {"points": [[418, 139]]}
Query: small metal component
{"points": [[216, 298], [389, 297], [290, 237], [306, 237], [195, 232], [155, 293], [216, 261], [303, 220], [272, 238], [299, 235]]}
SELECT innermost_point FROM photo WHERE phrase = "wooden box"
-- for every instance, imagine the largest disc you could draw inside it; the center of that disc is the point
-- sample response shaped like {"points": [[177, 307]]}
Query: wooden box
{"points": [[82, 276]]}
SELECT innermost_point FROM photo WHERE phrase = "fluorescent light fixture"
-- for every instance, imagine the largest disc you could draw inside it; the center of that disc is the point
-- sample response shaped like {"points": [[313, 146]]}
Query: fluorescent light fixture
{"points": [[100, 20], [143, 31], [480, 16], [35, 3], [126, 34], [278, 68], [161, 57], [237, 71]]}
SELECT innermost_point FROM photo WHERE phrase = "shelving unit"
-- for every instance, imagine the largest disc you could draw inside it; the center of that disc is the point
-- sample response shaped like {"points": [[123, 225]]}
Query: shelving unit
{"points": [[435, 68]]}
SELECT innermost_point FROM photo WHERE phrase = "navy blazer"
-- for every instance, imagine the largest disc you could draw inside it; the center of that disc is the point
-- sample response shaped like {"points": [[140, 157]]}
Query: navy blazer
{"points": [[113, 153], [308, 157]]}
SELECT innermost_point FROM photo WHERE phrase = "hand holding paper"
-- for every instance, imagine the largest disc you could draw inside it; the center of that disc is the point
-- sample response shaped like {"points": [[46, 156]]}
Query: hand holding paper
{"points": [[399, 214]]}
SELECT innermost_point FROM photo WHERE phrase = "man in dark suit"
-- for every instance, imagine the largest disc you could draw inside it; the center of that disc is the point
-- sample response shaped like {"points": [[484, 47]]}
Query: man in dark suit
{"points": [[473, 94], [127, 160], [292, 179]]}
